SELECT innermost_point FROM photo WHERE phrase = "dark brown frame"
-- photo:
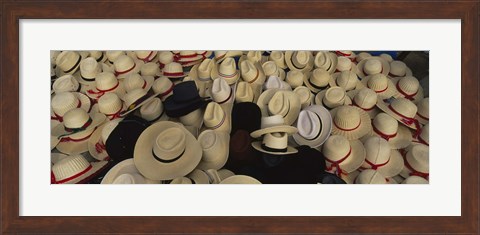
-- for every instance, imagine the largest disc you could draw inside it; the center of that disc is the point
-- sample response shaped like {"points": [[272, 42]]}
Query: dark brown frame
{"points": [[467, 11]]}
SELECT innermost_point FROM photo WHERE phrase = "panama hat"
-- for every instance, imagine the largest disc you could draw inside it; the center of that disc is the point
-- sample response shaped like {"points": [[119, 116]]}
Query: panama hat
{"points": [[332, 98], [75, 170], [306, 97], [271, 124], [347, 54], [215, 118], [113, 55], [326, 60], [274, 82], [99, 56], [222, 93], [343, 156], [194, 177], [346, 64], [240, 179], [204, 70], [184, 100], [125, 172], [416, 161], [227, 70], [252, 73], [111, 105], [361, 56], [215, 145], [135, 99], [67, 62], [408, 87], [163, 87], [284, 103], [295, 78], [314, 126], [299, 60], [415, 180], [423, 138], [89, 68], [246, 92], [124, 65], [66, 101], [351, 122], [373, 65], [153, 111], [216, 176], [365, 99], [381, 157], [386, 127], [77, 121], [173, 70], [146, 56], [370, 176], [254, 56], [96, 144], [346, 80], [193, 121], [135, 80], [279, 58], [271, 69], [105, 82], [399, 69], [423, 108], [403, 110], [150, 69], [318, 80], [67, 83], [166, 150], [206, 54], [383, 86]]}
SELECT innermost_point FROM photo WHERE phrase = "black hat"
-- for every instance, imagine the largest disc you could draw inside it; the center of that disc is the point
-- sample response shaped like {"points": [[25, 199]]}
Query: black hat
{"points": [[121, 141], [329, 178], [185, 99], [241, 152], [246, 116]]}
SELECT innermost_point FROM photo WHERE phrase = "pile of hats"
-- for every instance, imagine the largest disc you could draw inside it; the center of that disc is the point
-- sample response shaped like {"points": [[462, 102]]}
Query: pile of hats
{"points": [[236, 117]]}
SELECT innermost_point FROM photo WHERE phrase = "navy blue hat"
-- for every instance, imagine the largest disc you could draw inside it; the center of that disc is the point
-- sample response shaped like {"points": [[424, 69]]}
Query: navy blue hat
{"points": [[246, 116], [185, 99]]}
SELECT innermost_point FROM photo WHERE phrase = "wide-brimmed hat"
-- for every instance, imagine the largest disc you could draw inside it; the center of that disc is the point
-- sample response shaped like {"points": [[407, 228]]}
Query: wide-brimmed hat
{"points": [[370, 176], [365, 99], [135, 99], [399, 69], [271, 69], [386, 57], [408, 87], [295, 78], [285, 103], [184, 100], [153, 111], [67, 62], [343, 156], [279, 58], [76, 122], [383, 86], [423, 110], [424, 136], [415, 180], [135, 80], [318, 80], [66, 101], [246, 116], [227, 70], [193, 121], [332, 98], [146, 56], [314, 126], [346, 80], [204, 70], [401, 109], [216, 118], [96, 146], [275, 143], [274, 82], [215, 145], [381, 157], [372, 65], [221, 91], [125, 172], [271, 124], [111, 105], [75, 170], [240, 179], [351, 122], [89, 68], [126, 65], [173, 70], [105, 82], [416, 161], [194, 177], [346, 64], [386, 127], [252, 72], [68, 83], [326, 60], [166, 150], [299, 60], [305, 95], [163, 87]]}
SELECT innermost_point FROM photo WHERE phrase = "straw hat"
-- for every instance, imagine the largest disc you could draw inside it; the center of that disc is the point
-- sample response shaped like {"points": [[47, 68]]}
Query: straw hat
{"points": [[314, 126], [146, 56], [150, 69], [163, 87], [386, 127], [99, 56], [222, 93], [111, 105], [254, 56], [227, 70], [401, 109], [351, 122], [299, 60], [66, 101], [347, 54], [279, 58], [75, 170], [370, 176], [204, 70], [332, 98], [346, 80], [381, 157], [96, 146], [166, 150], [193, 121], [383, 86], [153, 111], [125, 172], [245, 93], [164, 58], [271, 69], [274, 82], [326, 60], [318, 80], [106, 82], [240, 179], [423, 138], [415, 180], [215, 177], [125, 65], [135, 80], [194, 177], [373, 65], [345, 64], [295, 78], [113, 55], [399, 69], [67, 83], [275, 143], [423, 110], [386, 57], [173, 70], [365, 99], [188, 58], [361, 56], [284, 103], [67, 62], [135, 99], [409, 87], [305, 95], [215, 145], [343, 156], [89, 68], [416, 161], [272, 124], [215, 118], [77, 121]]}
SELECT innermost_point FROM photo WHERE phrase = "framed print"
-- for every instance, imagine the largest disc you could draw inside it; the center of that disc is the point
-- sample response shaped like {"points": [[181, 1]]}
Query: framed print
{"points": [[34, 202]]}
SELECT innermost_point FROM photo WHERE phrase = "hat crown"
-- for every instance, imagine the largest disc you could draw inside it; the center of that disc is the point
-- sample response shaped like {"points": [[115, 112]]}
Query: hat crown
{"points": [[378, 82], [64, 102], [336, 147], [69, 166], [67, 59], [365, 98], [405, 107], [133, 95], [347, 117], [144, 54], [254, 56], [105, 81], [220, 90], [133, 81], [372, 66], [205, 68], [244, 92], [344, 64], [370, 176], [208, 139], [89, 67], [270, 68], [300, 58], [129, 178], [418, 158], [165, 57], [214, 115], [150, 69], [385, 124], [75, 118], [398, 68], [152, 109], [334, 96], [227, 67], [272, 121], [347, 80], [295, 78], [274, 82], [309, 124], [123, 63], [304, 94], [276, 140], [65, 83], [95, 54], [170, 143], [378, 150], [386, 57], [320, 77], [408, 85], [114, 55], [108, 128], [423, 107], [279, 104], [173, 67], [161, 85], [109, 103]]}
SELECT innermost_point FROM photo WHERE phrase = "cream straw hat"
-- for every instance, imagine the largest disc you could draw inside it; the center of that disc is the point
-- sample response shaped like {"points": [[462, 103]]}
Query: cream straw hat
{"points": [[361, 56], [99, 56], [153, 111], [111, 105], [416, 161], [318, 80], [271, 69], [173, 70], [347, 54], [67, 83], [347, 80], [423, 138], [163, 87], [370, 176], [399, 69], [135, 80], [423, 109], [332, 98], [365, 99], [254, 56], [66, 101], [228, 71], [215, 118], [343, 156], [222, 93], [150, 69], [373, 65], [299, 60], [106, 82], [252, 73], [113, 55], [279, 58], [409, 87], [215, 145], [244, 93], [386, 57], [326, 60], [295, 78], [345, 64], [403, 110], [386, 127], [314, 126], [164, 58], [274, 82], [77, 121], [194, 177], [215, 177], [272, 124], [204, 70], [135, 99], [125, 65], [146, 56], [96, 146], [275, 143], [75, 170], [305, 95], [351, 122], [89, 68], [285, 103], [381, 157], [193, 121], [240, 179], [67, 62], [415, 180], [125, 172], [383, 86]]}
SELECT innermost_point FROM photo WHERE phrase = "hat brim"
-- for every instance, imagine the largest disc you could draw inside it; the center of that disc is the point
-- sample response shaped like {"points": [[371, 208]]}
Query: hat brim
{"points": [[394, 166], [138, 66], [363, 129], [319, 97], [288, 61], [53, 142], [93, 140], [76, 147], [391, 91], [258, 146], [240, 179], [127, 111], [284, 129], [372, 112], [384, 107], [97, 119], [119, 90], [326, 125], [357, 155], [417, 98], [333, 82], [156, 170], [361, 64], [59, 72], [124, 167], [97, 167]]}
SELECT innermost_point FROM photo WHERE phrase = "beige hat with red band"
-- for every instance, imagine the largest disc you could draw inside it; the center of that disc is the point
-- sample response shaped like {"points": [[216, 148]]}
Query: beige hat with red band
{"points": [[409, 87], [401, 109], [365, 99], [381, 157], [351, 122], [399, 69], [373, 65], [386, 127], [416, 161], [215, 118], [343, 156], [423, 110], [383, 86], [125, 65], [75, 170], [106, 82], [370, 176]]}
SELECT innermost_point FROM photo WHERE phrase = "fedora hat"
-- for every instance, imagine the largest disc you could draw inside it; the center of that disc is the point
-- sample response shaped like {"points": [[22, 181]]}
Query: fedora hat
{"points": [[361, 56], [163, 87], [272, 124], [96, 143], [416, 161], [383, 86], [77, 121], [150, 69], [153, 111], [332, 98], [271, 69], [146, 56], [265, 98], [318, 80], [252, 72], [68, 83], [66, 101], [204, 70], [194, 177], [295, 78], [114, 55], [423, 138], [370, 176], [346, 64], [275, 143], [111, 105], [299, 60], [274, 82], [279, 58], [373, 65], [215, 118], [222, 93], [423, 109], [314, 126], [135, 80], [381, 157], [351, 122], [164, 58], [350, 55], [246, 116], [75, 170], [365, 99], [215, 145], [166, 150], [105, 82], [246, 92], [305, 95], [89, 68], [173, 70], [135, 99], [227, 70], [346, 80], [240, 179], [403, 110], [184, 100], [399, 69], [99, 56], [343, 156], [125, 172], [326, 60], [125, 65], [386, 127], [67, 62], [284, 103], [408, 87], [415, 180], [254, 56], [220, 56]]}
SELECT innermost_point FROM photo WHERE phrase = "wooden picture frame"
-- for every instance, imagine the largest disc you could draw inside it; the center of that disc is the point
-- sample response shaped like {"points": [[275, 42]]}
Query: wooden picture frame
{"points": [[13, 11]]}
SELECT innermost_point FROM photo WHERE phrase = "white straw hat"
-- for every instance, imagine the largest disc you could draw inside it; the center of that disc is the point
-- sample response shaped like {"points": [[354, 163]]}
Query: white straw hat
{"points": [[274, 82], [415, 180], [345, 64], [399, 69], [227, 70], [240, 179], [386, 127], [150, 69], [105, 82], [409, 87], [67, 62], [365, 99], [423, 110], [326, 60], [125, 172], [125, 65], [347, 80], [75, 170], [351, 122], [279, 58], [416, 161], [135, 99], [68, 83], [194, 177], [271, 124], [221, 91], [275, 143], [66, 101], [381, 157], [173, 70], [146, 56], [299, 60], [215, 118], [332, 98], [314, 126], [215, 145], [113, 55], [163, 87], [295, 78], [383, 86], [318, 80], [361, 56], [111, 105], [89, 68], [403, 110], [305, 95], [135, 80], [343, 156], [166, 150], [193, 121], [153, 111], [285, 103], [370, 176], [424, 137], [204, 69], [77, 121], [373, 65]]}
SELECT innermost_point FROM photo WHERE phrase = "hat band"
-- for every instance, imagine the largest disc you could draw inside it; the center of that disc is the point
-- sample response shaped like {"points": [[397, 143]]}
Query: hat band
{"points": [[115, 115], [178, 74], [88, 79], [366, 109], [336, 164], [75, 65], [383, 135], [413, 171], [228, 75], [406, 120], [100, 58], [102, 92], [146, 59], [126, 71], [100, 147], [422, 117], [325, 105], [378, 91], [160, 65], [394, 76], [405, 95], [54, 181], [83, 127], [228, 98], [339, 53], [317, 87], [136, 103], [319, 131], [60, 118], [344, 129], [178, 57], [266, 148], [68, 139], [170, 160], [166, 92], [256, 77], [220, 57], [421, 140], [221, 122], [375, 166]]}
